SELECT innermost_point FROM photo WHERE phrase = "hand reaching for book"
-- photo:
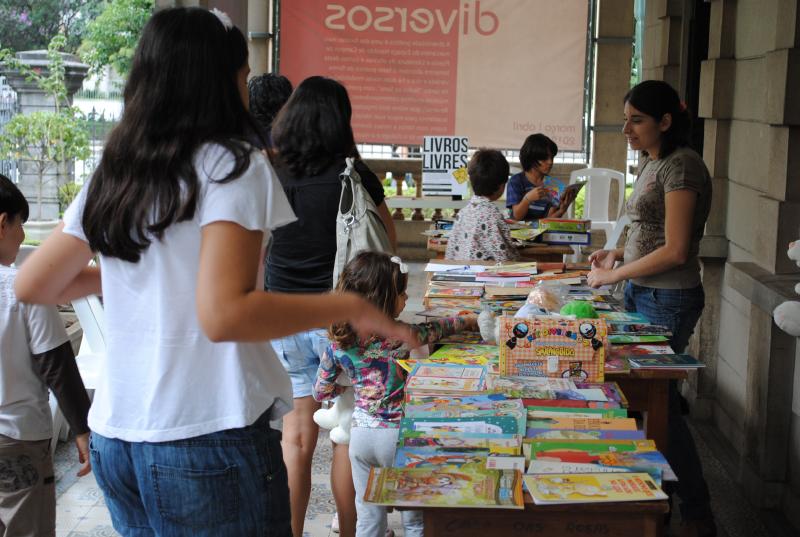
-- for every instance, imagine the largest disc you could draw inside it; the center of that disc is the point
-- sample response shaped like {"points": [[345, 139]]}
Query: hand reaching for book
{"points": [[369, 321]]}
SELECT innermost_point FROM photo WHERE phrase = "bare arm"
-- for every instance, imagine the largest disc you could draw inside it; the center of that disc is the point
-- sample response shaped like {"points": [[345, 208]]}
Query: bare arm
{"points": [[230, 308], [679, 214], [388, 223], [58, 271]]}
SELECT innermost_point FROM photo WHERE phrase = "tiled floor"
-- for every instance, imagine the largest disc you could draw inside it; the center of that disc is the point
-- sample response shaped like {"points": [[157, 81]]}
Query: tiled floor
{"points": [[81, 511]]}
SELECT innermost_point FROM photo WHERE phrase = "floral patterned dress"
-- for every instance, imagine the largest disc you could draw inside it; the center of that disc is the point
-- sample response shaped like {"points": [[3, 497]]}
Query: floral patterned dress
{"points": [[378, 381], [480, 233]]}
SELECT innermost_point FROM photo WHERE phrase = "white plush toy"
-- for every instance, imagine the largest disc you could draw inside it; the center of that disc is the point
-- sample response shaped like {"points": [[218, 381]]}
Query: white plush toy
{"points": [[338, 418], [787, 315]]}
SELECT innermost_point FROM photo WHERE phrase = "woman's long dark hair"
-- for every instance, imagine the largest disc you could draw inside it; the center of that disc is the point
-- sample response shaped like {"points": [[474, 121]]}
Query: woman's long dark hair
{"points": [[312, 131], [181, 93], [656, 98], [374, 276]]}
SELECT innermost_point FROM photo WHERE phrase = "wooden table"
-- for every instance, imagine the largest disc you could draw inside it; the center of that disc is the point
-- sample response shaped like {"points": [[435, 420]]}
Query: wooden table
{"points": [[545, 253], [629, 519], [647, 391]]}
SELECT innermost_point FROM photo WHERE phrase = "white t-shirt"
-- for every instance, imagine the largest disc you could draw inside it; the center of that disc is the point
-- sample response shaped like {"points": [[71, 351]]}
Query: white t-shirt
{"points": [[24, 330], [164, 379]]}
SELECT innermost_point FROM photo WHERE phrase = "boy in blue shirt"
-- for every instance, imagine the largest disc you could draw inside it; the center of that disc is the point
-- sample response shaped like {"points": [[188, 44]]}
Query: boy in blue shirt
{"points": [[532, 193], [35, 354]]}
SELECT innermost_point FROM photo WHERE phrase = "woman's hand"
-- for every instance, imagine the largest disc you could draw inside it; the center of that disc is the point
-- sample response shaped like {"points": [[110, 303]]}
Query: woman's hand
{"points": [[601, 276], [604, 259], [369, 321], [538, 193], [566, 201]]}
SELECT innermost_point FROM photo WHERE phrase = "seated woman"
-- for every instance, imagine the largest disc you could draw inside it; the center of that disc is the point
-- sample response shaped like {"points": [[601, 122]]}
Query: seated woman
{"points": [[531, 193], [480, 232]]}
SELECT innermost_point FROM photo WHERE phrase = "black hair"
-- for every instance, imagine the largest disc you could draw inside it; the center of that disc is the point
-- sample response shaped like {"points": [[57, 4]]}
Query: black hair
{"points": [[268, 93], [377, 278], [657, 98], [12, 202], [312, 131], [181, 93], [488, 171], [536, 148]]}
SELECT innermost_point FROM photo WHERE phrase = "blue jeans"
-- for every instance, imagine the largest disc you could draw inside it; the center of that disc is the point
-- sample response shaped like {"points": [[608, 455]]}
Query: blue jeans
{"points": [[300, 355], [228, 483], [679, 310]]}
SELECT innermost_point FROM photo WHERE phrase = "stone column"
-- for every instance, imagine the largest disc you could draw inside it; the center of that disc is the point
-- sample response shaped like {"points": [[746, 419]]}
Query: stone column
{"points": [[258, 35], [31, 98], [614, 30]]}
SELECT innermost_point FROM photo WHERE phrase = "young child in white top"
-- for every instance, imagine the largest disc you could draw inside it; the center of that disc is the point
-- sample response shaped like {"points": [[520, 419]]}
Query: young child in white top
{"points": [[35, 354]]}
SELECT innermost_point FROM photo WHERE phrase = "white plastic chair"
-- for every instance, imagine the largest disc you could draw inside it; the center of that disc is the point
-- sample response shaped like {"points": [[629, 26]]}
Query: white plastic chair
{"points": [[612, 240], [597, 195], [90, 359]]}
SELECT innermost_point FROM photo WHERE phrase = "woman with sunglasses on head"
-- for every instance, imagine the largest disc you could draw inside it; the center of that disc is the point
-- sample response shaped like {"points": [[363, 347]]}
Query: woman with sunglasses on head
{"points": [[668, 209]]}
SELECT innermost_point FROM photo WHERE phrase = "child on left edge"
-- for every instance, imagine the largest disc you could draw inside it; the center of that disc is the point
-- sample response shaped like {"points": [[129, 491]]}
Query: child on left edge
{"points": [[378, 382]]}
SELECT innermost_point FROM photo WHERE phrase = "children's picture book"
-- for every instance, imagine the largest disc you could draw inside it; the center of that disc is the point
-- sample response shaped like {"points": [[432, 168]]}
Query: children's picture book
{"points": [[539, 412], [564, 224], [639, 455], [568, 421], [530, 387], [492, 424], [452, 292], [462, 306], [641, 329], [627, 339], [571, 403], [422, 457], [446, 378], [464, 338], [665, 361], [465, 354], [454, 406], [583, 434], [503, 277], [566, 237], [506, 444], [558, 467], [504, 462], [471, 485], [630, 351], [617, 365], [611, 390], [552, 489], [552, 347], [624, 317]]}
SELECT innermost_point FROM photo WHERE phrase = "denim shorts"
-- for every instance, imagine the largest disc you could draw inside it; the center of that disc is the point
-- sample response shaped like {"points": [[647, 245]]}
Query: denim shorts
{"points": [[228, 483], [677, 309], [300, 355]]}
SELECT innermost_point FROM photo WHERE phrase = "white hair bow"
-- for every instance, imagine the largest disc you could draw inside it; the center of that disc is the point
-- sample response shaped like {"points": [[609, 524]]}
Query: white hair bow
{"points": [[403, 266], [223, 18]]}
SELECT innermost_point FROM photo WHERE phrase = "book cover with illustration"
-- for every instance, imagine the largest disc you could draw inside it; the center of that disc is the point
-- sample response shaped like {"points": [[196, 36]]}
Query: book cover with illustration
{"points": [[463, 338], [623, 317], [446, 378], [465, 354], [552, 489], [564, 224], [427, 457], [549, 347], [454, 406], [616, 365], [454, 292], [529, 387], [640, 455], [539, 412], [665, 361], [568, 421], [641, 329], [627, 339], [503, 444], [631, 351], [493, 424], [470, 485], [583, 434]]}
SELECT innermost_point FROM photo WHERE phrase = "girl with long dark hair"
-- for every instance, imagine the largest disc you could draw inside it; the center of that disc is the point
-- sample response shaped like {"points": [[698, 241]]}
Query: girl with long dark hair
{"points": [[179, 211]]}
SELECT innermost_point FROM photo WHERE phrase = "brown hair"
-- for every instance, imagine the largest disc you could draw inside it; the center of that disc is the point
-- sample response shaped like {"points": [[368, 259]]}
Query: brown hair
{"points": [[374, 276]]}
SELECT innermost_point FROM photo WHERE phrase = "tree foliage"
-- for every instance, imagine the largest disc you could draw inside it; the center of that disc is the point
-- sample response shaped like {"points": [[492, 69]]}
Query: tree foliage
{"points": [[111, 38], [31, 24], [46, 139]]}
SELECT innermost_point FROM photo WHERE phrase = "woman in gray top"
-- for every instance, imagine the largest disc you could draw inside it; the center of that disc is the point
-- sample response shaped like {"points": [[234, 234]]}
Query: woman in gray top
{"points": [[668, 210]]}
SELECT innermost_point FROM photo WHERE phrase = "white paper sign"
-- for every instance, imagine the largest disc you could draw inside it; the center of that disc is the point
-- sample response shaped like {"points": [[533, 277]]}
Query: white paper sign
{"points": [[444, 165]]}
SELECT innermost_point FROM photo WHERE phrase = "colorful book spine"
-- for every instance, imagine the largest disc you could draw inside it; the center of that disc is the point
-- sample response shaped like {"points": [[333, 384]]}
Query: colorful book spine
{"points": [[564, 224], [567, 237]]}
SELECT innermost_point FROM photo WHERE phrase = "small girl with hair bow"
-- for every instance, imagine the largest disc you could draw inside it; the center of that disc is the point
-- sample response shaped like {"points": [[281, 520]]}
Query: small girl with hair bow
{"points": [[378, 381]]}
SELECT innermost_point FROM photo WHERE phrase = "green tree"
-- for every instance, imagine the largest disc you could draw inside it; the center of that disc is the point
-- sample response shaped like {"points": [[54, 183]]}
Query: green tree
{"points": [[48, 140], [31, 24], [111, 38]]}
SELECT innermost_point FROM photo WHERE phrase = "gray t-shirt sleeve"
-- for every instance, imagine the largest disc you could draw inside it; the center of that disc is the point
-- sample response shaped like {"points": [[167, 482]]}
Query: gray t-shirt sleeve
{"points": [[684, 173]]}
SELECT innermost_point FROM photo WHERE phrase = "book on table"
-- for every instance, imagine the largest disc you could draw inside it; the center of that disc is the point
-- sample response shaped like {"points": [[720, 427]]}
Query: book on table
{"points": [[665, 361], [566, 237], [505, 444], [553, 489], [631, 351], [623, 317], [564, 224], [628, 339], [471, 485], [642, 329], [583, 434]]}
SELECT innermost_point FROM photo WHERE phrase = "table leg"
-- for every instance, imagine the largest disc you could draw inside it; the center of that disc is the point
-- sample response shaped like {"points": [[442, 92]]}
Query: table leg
{"points": [[657, 417]]}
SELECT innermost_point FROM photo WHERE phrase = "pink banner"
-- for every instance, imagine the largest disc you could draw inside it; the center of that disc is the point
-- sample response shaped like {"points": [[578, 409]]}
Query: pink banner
{"points": [[492, 70]]}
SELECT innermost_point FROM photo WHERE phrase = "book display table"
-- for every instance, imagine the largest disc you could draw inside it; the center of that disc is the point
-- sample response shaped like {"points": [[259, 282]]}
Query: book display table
{"points": [[544, 252], [630, 519]]}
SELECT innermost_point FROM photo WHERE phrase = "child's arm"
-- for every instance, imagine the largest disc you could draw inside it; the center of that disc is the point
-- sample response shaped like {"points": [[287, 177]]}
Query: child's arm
{"points": [[433, 331], [325, 387]]}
